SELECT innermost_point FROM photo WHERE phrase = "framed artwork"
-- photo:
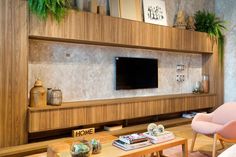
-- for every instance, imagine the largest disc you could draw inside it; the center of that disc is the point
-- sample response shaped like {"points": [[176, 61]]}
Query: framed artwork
{"points": [[155, 12], [131, 9]]}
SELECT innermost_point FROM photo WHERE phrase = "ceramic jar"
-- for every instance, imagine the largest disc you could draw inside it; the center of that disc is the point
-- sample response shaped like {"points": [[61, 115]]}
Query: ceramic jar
{"points": [[54, 96]]}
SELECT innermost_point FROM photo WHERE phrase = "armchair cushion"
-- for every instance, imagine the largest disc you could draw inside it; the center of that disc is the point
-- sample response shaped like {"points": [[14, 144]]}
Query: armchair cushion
{"points": [[203, 117], [205, 127]]}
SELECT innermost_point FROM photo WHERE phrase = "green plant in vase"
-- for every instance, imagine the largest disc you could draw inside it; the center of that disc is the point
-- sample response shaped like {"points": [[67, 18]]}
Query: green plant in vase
{"points": [[42, 8], [211, 24]]}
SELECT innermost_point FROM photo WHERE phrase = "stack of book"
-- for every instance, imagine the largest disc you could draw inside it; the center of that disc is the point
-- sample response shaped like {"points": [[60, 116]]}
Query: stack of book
{"points": [[132, 141], [161, 137]]}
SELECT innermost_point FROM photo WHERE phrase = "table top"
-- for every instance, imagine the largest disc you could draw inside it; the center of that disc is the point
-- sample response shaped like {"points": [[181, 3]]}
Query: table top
{"points": [[109, 150]]}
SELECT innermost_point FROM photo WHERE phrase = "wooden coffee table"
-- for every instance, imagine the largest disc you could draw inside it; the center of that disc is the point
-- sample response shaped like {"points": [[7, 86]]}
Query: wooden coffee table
{"points": [[108, 150]]}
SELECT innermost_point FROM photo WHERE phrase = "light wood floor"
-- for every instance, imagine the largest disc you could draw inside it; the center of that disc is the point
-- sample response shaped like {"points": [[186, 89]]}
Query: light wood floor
{"points": [[203, 143]]}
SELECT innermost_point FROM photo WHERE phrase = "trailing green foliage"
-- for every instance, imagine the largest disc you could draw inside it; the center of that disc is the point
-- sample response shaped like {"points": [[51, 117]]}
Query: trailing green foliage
{"points": [[209, 23], [42, 8]]}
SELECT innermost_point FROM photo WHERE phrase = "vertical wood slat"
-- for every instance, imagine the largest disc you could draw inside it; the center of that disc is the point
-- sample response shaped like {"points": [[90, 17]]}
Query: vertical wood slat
{"points": [[13, 72], [105, 30], [77, 114], [212, 66]]}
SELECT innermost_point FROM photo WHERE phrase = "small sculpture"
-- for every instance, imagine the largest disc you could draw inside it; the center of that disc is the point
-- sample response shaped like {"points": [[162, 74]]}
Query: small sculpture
{"points": [[197, 88], [180, 20], [152, 128], [191, 23], [155, 130]]}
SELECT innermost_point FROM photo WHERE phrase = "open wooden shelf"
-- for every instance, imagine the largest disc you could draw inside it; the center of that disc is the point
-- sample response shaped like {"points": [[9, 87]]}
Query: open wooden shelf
{"points": [[90, 28], [91, 103], [100, 111]]}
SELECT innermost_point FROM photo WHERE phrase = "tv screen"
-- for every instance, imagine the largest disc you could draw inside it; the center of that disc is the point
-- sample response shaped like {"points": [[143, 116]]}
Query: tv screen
{"points": [[136, 73]]}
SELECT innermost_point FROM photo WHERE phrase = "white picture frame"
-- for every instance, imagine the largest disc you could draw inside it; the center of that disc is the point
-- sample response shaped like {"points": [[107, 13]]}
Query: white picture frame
{"points": [[155, 12]]}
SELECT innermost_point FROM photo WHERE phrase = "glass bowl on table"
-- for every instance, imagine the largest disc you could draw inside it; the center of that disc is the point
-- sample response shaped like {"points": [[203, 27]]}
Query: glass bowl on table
{"points": [[81, 149]]}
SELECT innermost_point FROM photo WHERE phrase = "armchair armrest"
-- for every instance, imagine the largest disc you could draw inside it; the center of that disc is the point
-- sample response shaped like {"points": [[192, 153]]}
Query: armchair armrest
{"points": [[229, 130], [203, 117]]}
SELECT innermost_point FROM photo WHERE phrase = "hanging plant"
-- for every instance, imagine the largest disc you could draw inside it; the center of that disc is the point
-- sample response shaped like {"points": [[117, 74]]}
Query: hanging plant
{"points": [[209, 23], [42, 8]]}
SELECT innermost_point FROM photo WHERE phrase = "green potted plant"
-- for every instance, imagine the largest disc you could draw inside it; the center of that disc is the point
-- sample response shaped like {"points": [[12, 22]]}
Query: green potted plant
{"points": [[211, 24], [42, 8]]}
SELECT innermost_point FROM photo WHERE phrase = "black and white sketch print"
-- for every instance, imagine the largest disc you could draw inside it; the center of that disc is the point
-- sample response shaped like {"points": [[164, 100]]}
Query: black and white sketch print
{"points": [[154, 12]]}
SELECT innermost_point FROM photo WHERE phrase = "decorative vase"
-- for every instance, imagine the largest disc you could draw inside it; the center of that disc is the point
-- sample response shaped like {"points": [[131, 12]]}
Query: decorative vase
{"points": [[205, 83], [38, 96], [96, 146]]}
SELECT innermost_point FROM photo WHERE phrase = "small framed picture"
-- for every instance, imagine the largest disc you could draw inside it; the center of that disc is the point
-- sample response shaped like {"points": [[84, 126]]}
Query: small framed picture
{"points": [[155, 12]]}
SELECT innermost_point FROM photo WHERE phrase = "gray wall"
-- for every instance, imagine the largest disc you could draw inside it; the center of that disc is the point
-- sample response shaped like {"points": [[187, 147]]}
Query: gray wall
{"points": [[189, 6], [227, 10]]}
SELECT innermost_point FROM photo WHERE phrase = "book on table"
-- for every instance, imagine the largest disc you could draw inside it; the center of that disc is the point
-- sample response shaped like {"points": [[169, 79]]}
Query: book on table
{"points": [[132, 141], [162, 137], [122, 145], [135, 141], [133, 138]]}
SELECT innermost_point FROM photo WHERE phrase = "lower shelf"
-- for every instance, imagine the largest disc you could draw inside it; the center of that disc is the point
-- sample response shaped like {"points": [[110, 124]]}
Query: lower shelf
{"points": [[92, 112]]}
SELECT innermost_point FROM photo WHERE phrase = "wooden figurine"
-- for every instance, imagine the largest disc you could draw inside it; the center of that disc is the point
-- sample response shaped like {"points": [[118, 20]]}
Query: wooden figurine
{"points": [[180, 20], [191, 23]]}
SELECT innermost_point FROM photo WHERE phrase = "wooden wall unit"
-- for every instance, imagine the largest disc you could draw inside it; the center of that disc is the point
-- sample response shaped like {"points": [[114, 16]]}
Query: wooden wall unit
{"points": [[89, 28], [13, 72], [84, 27], [100, 111]]}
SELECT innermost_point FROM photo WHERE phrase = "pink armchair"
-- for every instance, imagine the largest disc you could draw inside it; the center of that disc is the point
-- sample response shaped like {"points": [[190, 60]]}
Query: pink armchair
{"points": [[221, 124]]}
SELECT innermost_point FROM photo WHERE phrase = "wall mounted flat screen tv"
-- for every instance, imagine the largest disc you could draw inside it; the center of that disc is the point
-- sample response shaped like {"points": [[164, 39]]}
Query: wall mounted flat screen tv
{"points": [[136, 73]]}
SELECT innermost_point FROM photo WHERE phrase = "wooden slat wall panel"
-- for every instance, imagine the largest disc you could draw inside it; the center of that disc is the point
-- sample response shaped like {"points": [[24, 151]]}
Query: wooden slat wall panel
{"points": [[49, 119], [212, 66], [13, 72], [105, 30]]}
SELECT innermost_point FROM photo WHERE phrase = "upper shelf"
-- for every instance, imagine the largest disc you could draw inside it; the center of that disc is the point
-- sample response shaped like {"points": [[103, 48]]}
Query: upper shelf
{"points": [[84, 27]]}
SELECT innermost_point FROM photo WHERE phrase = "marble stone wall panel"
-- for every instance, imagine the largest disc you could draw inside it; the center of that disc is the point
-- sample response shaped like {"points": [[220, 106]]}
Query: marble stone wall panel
{"points": [[87, 72]]}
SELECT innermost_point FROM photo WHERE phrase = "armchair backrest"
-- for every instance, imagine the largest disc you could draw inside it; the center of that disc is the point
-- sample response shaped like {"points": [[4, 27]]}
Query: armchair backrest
{"points": [[225, 113]]}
